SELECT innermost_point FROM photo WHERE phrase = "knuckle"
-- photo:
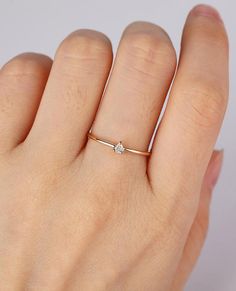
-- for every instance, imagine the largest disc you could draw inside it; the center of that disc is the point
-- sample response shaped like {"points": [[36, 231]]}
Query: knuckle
{"points": [[27, 64], [206, 104], [85, 43], [148, 42]]}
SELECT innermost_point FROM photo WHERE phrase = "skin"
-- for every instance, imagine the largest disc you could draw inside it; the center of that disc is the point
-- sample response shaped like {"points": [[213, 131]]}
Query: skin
{"points": [[73, 214]]}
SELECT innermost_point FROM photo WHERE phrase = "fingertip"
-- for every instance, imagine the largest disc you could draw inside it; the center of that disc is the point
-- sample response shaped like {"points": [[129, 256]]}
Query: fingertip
{"points": [[214, 168], [207, 11]]}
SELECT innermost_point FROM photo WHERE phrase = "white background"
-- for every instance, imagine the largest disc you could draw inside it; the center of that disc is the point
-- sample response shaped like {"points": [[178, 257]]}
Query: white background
{"points": [[28, 25]]}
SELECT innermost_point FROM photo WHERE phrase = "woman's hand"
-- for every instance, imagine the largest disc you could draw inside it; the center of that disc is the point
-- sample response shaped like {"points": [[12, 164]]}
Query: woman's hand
{"points": [[74, 215]]}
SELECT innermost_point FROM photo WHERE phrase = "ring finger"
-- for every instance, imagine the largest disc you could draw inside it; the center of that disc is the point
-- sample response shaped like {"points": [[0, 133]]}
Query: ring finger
{"points": [[141, 76]]}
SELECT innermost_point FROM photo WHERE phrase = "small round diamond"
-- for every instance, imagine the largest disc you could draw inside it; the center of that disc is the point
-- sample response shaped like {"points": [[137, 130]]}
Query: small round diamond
{"points": [[119, 149]]}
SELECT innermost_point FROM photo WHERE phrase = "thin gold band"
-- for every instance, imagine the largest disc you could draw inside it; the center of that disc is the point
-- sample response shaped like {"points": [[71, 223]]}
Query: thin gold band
{"points": [[118, 148]]}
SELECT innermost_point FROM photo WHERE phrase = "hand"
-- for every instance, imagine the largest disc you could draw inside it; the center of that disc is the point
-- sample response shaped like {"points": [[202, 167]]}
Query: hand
{"points": [[74, 215]]}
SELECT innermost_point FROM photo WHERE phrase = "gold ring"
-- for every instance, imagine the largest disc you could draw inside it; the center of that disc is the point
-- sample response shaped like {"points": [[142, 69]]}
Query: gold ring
{"points": [[118, 148]]}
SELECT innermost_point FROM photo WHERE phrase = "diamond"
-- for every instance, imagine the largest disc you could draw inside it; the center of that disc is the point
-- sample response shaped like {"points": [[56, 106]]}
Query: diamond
{"points": [[119, 149]]}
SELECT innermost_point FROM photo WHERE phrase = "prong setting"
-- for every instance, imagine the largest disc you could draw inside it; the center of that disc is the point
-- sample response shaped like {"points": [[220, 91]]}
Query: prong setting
{"points": [[119, 148]]}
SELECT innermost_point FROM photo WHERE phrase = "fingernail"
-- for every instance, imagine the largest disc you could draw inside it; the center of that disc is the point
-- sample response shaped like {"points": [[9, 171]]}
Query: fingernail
{"points": [[206, 10], [215, 168]]}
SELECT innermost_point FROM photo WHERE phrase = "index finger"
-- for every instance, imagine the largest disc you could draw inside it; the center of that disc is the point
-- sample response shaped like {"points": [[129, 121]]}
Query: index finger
{"points": [[195, 111]]}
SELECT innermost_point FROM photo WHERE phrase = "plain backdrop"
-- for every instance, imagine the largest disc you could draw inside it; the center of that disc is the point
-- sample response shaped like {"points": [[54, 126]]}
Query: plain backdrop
{"points": [[39, 26]]}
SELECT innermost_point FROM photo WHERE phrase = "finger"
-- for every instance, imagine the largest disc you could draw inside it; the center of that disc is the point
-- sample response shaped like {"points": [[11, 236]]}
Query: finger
{"points": [[198, 232], [22, 81], [193, 117], [160, 263], [136, 90], [73, 92]]}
